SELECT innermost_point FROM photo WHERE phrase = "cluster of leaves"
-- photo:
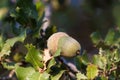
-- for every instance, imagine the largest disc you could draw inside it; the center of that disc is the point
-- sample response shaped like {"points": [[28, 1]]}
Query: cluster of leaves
{"points": [[37, 64], [108, 60]]}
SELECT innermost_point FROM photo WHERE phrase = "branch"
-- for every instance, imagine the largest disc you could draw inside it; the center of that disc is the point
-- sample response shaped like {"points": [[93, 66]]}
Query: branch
{"points": [[70, 65]]}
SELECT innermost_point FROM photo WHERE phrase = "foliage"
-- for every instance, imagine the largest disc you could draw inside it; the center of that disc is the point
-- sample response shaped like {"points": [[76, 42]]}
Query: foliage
{"points": [[35, 66], [92, 71], [35, 59]]}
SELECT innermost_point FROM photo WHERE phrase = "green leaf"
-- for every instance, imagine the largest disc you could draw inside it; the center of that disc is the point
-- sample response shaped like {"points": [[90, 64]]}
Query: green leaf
{"points": [[24, 73], [84, 58], [109, 39], [10, 42], [81, 76], [8, 66], [18, 57], [40, 20], [39, 76], [92, 71], [36, 31], [100, 61], [117, 36], [57, 76], [82, 61], [95, 36], [20, 38], [102, 78], [78, 62], [51, 63], [29, 73], [117, 55], [34, 57], [25, 13], [1, 41], [113, 56]]}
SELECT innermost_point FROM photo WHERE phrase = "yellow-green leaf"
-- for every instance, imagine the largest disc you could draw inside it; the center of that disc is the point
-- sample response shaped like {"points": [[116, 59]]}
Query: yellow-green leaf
{"points": [[24, 73], [39, 76], [81, 76], [34, 57], [92, 71]]}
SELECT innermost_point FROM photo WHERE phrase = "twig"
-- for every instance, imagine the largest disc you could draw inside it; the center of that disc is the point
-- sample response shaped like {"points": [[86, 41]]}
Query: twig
{"points": [[47, 16], [11, 73], [70, 65], [112, 69]]}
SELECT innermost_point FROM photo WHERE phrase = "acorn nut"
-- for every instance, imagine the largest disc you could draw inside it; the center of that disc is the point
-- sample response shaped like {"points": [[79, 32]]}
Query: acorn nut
{"points": [[60, 40]]}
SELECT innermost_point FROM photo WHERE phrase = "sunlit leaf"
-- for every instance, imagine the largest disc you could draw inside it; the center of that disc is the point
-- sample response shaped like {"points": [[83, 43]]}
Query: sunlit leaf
{"points": [[117, 55], [10, 42], [29, 73], [81, 76], [34, 57], [39, 76], [92, 71], [8, 66], [20, 38], [24, 73], [100, 61]]}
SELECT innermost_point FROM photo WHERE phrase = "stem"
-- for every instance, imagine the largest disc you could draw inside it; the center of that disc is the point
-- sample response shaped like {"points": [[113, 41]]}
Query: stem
{"points": [[70, 65]]}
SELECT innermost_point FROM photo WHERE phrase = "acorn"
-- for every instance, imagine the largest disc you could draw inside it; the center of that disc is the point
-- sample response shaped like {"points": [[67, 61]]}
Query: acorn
{"points": [[68, 45], [52, 42]]}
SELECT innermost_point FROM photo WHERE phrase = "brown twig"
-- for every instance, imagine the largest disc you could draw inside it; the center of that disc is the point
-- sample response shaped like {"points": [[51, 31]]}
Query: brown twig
{"points": [[11, 73], [112, 69]]}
